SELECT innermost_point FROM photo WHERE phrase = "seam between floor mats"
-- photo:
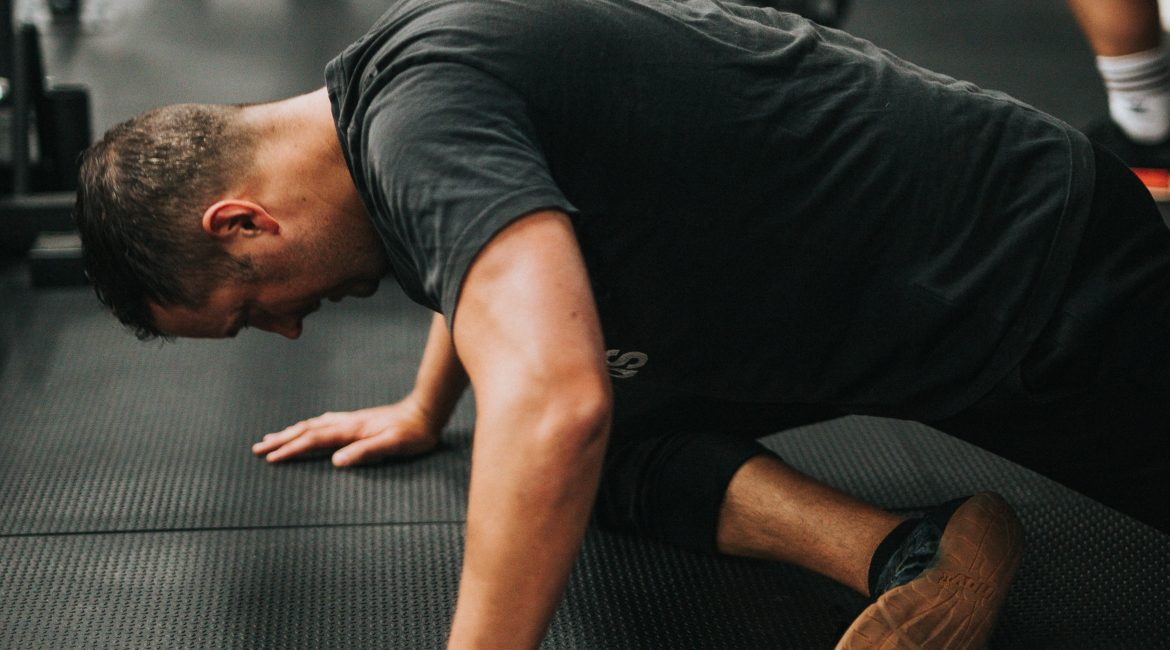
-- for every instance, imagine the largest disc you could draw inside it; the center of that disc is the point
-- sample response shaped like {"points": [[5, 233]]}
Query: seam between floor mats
{"points": [[202, 529]]}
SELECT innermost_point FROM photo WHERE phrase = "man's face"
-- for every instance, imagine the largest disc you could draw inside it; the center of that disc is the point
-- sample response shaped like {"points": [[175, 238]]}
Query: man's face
{"points": [[297, 262], [278, 307]]}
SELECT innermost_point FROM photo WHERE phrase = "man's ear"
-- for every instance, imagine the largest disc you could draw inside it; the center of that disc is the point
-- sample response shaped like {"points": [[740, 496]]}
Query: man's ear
{"points": [[232, 218]]}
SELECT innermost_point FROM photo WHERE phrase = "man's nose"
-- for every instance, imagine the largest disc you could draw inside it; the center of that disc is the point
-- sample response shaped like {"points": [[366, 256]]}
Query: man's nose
{"points": [[286, 326]]}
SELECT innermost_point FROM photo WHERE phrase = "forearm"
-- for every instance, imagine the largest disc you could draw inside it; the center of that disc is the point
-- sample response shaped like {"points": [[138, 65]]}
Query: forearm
{"points": [[530, 499], [441, 380]]}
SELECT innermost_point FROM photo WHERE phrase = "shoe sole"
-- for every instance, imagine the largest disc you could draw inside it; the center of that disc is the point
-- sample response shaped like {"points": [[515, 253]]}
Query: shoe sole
{"points": [[1157, 181], [954, 603]]}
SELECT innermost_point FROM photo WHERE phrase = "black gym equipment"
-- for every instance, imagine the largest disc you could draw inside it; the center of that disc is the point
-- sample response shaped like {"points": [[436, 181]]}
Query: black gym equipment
{"points": [[37, 183]]}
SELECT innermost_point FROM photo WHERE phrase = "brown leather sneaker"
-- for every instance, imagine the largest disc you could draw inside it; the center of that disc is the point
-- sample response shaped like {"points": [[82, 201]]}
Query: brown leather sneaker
{"points": [[954, 602]]}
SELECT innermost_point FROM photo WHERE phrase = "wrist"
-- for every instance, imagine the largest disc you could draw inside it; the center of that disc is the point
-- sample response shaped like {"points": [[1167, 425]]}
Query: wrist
{"points": [[426, 412]]}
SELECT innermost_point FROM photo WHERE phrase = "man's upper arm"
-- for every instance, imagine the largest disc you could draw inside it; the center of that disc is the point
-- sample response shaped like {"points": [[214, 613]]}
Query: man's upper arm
{"points": [[526, 318]]}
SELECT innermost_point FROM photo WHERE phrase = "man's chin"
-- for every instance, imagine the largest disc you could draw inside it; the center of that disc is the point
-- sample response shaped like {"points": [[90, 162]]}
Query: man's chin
{"points": [[354, 289], [363, 288]]}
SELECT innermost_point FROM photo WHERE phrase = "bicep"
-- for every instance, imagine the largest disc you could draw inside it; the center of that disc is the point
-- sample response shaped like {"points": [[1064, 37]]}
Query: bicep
{"points": [[526, 320]]}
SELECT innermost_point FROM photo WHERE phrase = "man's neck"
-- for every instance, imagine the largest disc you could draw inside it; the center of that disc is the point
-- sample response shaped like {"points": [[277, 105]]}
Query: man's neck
{"points": [[299, 156]]}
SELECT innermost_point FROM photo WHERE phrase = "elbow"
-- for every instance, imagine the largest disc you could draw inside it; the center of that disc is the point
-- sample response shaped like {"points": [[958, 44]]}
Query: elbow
{"points": [[556, 420], [571, 422], [580, 417], [597, 413]]}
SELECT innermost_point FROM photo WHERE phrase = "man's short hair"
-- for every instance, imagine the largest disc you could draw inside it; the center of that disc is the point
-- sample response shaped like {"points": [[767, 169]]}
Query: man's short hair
{"points": [[142, 191]]}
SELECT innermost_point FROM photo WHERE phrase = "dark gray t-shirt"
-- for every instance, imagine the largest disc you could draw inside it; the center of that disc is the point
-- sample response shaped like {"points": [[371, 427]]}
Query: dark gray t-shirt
{"points": [[770, 211]]}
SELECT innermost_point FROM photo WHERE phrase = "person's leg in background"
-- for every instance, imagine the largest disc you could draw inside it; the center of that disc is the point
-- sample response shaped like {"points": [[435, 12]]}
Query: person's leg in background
{"points": [[1134, 62]]}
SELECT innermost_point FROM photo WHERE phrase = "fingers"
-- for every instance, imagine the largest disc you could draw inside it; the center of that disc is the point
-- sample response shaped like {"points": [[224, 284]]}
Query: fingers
{"points": [[377, 447], [309, 435], [274, 440], [362, 451]]}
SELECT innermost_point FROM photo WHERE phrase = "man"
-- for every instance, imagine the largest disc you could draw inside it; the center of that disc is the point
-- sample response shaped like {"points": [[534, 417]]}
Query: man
{"points": [[696, 223]]}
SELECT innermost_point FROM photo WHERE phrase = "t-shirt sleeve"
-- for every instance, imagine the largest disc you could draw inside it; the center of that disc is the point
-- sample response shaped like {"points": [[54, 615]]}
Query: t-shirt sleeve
{"points": [[451, 158]]}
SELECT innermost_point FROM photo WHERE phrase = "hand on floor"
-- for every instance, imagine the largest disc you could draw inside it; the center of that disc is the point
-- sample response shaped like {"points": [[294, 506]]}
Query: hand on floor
{"points": [[364, 436]]}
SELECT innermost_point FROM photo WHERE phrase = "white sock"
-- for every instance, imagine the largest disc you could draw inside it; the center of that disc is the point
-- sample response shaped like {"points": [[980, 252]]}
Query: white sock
{"points": [[1138, 86]]}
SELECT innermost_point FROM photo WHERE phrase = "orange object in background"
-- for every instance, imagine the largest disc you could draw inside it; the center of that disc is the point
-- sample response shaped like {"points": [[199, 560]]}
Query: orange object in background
{"points": [[1155, 180]]}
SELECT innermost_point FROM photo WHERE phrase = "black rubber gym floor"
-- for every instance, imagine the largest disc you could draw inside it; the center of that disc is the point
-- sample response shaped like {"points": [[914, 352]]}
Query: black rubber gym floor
{"points": [[133, 515]]}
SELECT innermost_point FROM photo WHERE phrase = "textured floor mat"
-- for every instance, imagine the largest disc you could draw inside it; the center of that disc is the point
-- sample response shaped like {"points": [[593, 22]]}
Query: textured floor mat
{"points": [[394, 586], [134, 516], [101, 432]]}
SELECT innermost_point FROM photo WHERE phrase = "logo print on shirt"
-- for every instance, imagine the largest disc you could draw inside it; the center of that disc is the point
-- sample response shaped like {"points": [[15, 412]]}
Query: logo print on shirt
{"points": [[623, 365]]}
